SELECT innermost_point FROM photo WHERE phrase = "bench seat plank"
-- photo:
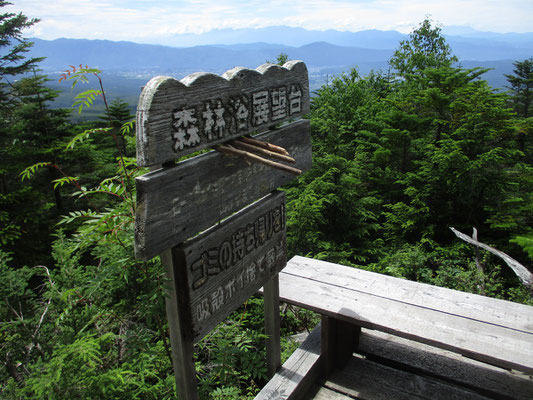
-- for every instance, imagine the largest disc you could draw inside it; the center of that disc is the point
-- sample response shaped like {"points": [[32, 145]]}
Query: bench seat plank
{"points": [[424, 313], [498, 312]]}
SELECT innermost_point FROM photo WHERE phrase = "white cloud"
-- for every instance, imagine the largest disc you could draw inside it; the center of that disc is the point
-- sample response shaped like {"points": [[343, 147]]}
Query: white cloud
{"points": [[140, 19]]}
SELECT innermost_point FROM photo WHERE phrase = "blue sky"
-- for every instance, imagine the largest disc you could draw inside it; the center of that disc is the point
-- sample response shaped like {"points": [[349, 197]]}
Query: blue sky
{"points": [[151, 20]]}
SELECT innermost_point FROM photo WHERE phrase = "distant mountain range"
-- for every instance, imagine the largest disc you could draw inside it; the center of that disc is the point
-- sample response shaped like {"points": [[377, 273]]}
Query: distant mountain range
{"points": [[326, 53], [369, 39]]}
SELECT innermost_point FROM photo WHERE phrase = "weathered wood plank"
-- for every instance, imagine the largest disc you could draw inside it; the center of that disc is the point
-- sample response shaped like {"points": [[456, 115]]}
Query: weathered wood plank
{"points": [[371, 308], [297, 374], [323, 393], [228, 263], [338, 342], [181, 338], [174, 204], [371, 381], [489, 380], [175, 118], [494, 311], [272, 325]]}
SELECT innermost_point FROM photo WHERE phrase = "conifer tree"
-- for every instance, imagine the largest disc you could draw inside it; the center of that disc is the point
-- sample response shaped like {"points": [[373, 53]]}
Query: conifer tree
{"points": [[14, 46], [425, 48], [521, 82]]}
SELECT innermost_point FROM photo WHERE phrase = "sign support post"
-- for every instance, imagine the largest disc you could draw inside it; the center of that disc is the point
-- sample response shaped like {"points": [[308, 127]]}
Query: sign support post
{"points": [[180, 338], [272, 325]]}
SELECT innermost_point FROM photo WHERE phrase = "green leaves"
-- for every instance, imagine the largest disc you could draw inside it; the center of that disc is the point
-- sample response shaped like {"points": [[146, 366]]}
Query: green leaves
{"points": [[526, 242], [425, 49], [64, 180], [30, 171], [82, 136], [86, 99], [78, 74]]}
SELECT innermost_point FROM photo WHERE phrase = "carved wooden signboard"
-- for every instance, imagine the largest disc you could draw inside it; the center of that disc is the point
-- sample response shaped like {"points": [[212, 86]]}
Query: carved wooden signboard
{"points": [[175, 118], [228, 263], [175, 203], [242, 244]]}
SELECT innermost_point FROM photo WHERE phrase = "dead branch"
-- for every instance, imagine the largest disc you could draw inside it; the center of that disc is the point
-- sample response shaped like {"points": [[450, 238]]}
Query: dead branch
{"points": [[255, 158], [34, 337], [265, 145], [261, 150], [525, 276]]}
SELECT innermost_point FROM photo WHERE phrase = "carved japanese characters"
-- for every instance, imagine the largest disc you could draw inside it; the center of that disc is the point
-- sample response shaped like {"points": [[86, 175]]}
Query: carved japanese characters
{"points": [[231, 261], [175, 118]]}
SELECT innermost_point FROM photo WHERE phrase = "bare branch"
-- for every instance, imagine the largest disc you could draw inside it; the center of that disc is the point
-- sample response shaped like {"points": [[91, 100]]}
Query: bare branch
{"points": [[261, 150], [35, 334], [255, 158], [525, 276], [265, 145]]}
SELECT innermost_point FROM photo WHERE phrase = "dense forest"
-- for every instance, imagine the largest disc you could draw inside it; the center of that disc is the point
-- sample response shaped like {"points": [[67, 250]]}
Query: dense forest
{"points": [[399, 158]]}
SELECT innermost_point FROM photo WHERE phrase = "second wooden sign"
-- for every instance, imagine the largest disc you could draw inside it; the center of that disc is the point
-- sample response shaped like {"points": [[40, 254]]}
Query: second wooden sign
{"points": [[221, 268]]}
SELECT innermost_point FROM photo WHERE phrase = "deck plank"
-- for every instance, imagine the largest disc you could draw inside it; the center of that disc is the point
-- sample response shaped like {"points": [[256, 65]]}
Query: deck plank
{"points": [[323, 393], [371, 381], [403, 353]]}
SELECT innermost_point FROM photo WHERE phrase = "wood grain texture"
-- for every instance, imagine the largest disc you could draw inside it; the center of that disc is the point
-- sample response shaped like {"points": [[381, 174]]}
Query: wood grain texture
{"points": [[414, 311], [368, 380], [486, 379], [297, 374], [272, 325], [225, 265], [338, 342], [494, 311], [323, 393], [176, 118], [175, 203], [181, 338]]}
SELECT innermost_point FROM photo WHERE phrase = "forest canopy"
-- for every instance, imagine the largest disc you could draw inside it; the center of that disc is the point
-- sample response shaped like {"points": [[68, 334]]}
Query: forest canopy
{"points": [[399, 158]]}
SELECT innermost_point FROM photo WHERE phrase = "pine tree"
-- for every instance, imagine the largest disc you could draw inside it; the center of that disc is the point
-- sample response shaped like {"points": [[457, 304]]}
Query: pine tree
{"points": [[14, 47], [521, 82]]}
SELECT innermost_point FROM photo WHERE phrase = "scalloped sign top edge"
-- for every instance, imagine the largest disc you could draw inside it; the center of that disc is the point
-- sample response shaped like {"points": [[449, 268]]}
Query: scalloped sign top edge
{"points": [[176, 118]]}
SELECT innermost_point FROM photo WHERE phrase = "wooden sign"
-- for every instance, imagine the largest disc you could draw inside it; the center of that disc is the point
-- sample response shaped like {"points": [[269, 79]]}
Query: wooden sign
{"points": [[175, 118], [175, 203], [221, 268], [210, 274]]}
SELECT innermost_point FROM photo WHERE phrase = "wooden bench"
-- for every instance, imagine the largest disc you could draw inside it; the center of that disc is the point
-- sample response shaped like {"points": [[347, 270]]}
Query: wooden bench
{"points": [[388, 338]]}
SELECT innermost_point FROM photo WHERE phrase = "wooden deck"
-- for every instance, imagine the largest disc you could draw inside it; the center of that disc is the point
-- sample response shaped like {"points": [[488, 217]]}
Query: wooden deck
{"points": [[389, 338]]}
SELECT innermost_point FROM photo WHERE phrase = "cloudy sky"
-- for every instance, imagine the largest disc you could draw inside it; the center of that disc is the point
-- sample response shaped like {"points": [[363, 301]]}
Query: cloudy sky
{"points": [[148, 20]]}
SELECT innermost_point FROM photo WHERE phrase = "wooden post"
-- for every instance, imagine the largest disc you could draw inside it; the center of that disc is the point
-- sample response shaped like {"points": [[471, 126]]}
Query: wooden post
{"points": [[339, 339], [180, 335], [272, 325]]}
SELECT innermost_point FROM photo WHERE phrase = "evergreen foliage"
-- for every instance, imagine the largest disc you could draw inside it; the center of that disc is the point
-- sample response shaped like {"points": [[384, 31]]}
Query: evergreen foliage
{"points": [[398, 159], [522, 87]]}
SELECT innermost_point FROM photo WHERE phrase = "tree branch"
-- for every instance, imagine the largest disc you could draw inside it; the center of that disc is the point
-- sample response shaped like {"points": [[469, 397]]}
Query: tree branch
{"points": [[525, 276]]}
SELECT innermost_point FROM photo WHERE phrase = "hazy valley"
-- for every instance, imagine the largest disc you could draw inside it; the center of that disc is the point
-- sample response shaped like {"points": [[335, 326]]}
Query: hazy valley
{"points": [[128, 66]]}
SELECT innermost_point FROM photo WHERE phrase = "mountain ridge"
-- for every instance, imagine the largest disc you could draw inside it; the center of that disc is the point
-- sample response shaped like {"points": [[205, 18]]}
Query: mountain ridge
{"points": [[133, 64]]}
